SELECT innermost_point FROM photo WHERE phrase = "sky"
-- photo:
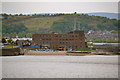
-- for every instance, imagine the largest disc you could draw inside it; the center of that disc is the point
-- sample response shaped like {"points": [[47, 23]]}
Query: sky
{"points": [[58, 7]]}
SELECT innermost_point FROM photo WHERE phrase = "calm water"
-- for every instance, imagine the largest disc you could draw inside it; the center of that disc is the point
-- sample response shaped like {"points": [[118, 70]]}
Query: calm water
{"points": [[106, 43], [60, 67]]}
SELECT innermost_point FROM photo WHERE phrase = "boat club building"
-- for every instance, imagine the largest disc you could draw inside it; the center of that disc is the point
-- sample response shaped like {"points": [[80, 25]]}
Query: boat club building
{"points": [[74, 40]]}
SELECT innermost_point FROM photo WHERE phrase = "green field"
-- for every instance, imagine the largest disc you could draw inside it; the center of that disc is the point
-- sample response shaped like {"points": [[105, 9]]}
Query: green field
{"points": [[7, 46]]}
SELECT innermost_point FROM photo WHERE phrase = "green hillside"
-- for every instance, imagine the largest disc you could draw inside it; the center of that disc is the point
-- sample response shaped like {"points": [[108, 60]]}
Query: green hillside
{"points": [[26, 25]]}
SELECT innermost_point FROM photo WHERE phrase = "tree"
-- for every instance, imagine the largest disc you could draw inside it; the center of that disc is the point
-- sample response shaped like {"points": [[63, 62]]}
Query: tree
{"points": [[9, 41], [5, 16], [3, 40], [75, 12], [21, 14]]}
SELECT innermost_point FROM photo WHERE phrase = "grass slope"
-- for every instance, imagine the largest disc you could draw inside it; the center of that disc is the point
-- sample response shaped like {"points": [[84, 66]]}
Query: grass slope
{"points": [[38, 23], [63, 23]]}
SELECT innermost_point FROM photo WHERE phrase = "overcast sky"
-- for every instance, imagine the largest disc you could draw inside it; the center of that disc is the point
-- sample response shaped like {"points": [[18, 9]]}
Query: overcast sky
{"points": [[58, 7]]}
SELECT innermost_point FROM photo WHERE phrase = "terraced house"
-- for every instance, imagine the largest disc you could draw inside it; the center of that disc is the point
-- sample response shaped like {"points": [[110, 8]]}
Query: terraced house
{"points": [[74, 40]]}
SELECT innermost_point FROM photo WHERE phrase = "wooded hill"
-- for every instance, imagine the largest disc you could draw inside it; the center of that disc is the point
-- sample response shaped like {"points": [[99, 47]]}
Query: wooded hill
{"points": [[26, 25]]}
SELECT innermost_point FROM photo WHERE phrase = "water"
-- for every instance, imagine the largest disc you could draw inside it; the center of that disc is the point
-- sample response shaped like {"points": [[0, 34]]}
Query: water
{"points": [[106, 43], [60, 67]]}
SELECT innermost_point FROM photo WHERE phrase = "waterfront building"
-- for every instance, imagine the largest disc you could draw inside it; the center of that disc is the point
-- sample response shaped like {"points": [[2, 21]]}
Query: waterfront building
{"points": [[74, 40]]}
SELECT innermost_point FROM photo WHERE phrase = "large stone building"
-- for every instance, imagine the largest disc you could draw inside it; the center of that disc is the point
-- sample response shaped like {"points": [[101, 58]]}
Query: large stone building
{"points": [[73, 40]]}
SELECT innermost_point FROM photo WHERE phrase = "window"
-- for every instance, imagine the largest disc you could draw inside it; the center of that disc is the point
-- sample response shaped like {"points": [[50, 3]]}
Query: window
{"points": [[52, 35], [71, 42], [45, 35], [71, 39], [42, 35], [64, 35], [77, 43]]}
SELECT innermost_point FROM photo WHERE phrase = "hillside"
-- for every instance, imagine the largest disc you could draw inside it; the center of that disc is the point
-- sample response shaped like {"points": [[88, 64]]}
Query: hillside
{"points": [[108, 15], [26, 25]]}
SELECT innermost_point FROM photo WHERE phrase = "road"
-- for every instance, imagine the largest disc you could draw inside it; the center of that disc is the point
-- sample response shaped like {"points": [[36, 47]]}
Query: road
{"points": [[60, 67]]}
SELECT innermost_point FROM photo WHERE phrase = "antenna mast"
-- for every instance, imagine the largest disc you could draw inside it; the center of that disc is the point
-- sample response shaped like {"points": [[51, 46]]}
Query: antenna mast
{"points": [[74, 24], [79, 26]]}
